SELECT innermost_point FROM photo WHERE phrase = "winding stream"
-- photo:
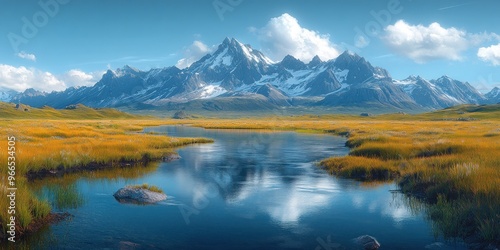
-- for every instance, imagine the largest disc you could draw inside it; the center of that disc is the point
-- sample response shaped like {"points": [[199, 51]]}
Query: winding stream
{"points": [[248, 190]]}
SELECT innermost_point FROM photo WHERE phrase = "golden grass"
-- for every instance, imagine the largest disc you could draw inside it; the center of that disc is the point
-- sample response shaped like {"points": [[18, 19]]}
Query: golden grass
{"points": [[148, 187], [56, 144], [361, 168], [61, 144], [451, 160]]}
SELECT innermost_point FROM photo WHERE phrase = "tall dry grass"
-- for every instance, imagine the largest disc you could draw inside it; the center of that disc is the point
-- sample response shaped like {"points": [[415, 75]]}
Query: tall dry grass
{"points": [[452, 164], [64, 144]]}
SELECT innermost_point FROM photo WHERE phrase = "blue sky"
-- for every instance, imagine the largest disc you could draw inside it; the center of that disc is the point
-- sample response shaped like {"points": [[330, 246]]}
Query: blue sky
{"points": [[54, 44]]}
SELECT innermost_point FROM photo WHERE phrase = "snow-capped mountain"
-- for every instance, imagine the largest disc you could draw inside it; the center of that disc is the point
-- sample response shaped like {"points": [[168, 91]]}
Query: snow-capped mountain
{"points": [[7, 94], [425, 93], [232, 65], [462, 91], [441, 93], [365, 86], [494, 95], [238, 76]]}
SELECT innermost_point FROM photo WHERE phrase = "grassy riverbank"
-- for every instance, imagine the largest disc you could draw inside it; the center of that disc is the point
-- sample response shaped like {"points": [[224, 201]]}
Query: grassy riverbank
{"points": [[55, 146], [449, 159]]}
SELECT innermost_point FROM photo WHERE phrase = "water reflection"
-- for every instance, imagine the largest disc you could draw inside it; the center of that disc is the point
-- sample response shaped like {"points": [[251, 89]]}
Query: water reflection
{"points": [[275, 173], [62, 197], [247, 190]]}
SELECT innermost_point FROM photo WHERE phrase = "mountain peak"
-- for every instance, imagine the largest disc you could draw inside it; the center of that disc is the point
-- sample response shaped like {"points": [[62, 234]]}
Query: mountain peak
{"points": [[290, 62], [233, 48], [290, 57], [445, 78], [33, 92], [348, 57], [359, 69], [315, 61], [229, 41], [109, 72], [128, 67], [411, 78], [349, 53], [125, 70], [494, 94], [416, 78]]}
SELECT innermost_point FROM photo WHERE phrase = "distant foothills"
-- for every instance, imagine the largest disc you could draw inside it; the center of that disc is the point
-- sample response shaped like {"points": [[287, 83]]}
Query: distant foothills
{"points": [[238, 78]]}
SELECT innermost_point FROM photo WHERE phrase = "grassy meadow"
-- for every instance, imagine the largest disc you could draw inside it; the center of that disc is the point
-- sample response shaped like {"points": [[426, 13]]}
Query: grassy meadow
{"points": [[59, 142], [449, 159]]}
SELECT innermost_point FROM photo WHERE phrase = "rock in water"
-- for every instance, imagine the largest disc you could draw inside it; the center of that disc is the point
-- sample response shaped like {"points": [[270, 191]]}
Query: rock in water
{"points": [[138, 196], [368, 242], [436, 245], [125, 245], [171, 157]]}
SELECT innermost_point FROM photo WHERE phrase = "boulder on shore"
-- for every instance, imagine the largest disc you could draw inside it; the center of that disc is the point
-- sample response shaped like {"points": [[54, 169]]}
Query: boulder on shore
{"points": [[138, 196], [181, 115], [367, 242]]}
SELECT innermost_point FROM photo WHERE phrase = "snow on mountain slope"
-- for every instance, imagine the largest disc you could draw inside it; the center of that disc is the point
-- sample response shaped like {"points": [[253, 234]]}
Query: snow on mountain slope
{"points": [[6, 94], [222, 59], [441, 93], [494, 95], [463, 92], [238, 70], [255, 55]]}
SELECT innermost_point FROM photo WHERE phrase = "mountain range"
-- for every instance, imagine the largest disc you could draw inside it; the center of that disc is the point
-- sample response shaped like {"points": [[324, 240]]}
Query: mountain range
{"points": [[238, 77]]}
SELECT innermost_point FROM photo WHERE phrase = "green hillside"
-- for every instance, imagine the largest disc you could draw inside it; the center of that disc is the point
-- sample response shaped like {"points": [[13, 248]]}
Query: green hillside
{"points": [[79, 112]]}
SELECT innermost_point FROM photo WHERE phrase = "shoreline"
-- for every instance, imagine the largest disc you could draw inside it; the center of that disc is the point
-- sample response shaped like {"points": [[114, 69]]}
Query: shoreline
{"points": [[350, 131], [410, 184], [56, 217], [96, 166]]}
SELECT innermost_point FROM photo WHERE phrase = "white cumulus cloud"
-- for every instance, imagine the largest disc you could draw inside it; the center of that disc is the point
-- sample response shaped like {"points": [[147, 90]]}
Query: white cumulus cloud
{"points": [[426, 43], [283, 36], [26, 56], [78, 78], [193, 53], [490, 54], [22, 78]]}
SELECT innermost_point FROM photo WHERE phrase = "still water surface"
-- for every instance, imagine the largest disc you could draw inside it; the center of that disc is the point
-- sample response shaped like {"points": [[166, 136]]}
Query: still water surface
{"points": [[248, 190]]}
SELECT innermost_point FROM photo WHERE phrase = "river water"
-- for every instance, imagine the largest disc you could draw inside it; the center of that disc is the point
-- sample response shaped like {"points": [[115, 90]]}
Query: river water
{"points": [[247, 190]]}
